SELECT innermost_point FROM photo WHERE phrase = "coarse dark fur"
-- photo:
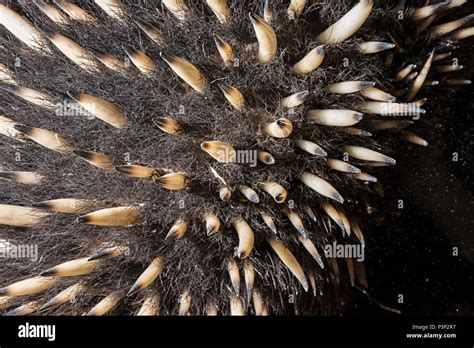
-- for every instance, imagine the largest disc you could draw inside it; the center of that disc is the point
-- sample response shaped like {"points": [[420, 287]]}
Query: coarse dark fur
{"points": [[196, 262]]}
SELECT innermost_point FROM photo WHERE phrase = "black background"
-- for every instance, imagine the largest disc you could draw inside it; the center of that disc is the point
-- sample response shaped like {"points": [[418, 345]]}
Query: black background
{"points": [[411, 250]]}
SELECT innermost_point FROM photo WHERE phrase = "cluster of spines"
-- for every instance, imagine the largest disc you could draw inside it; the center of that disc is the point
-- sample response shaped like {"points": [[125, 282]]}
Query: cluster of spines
{"points": [[382, 104]]}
